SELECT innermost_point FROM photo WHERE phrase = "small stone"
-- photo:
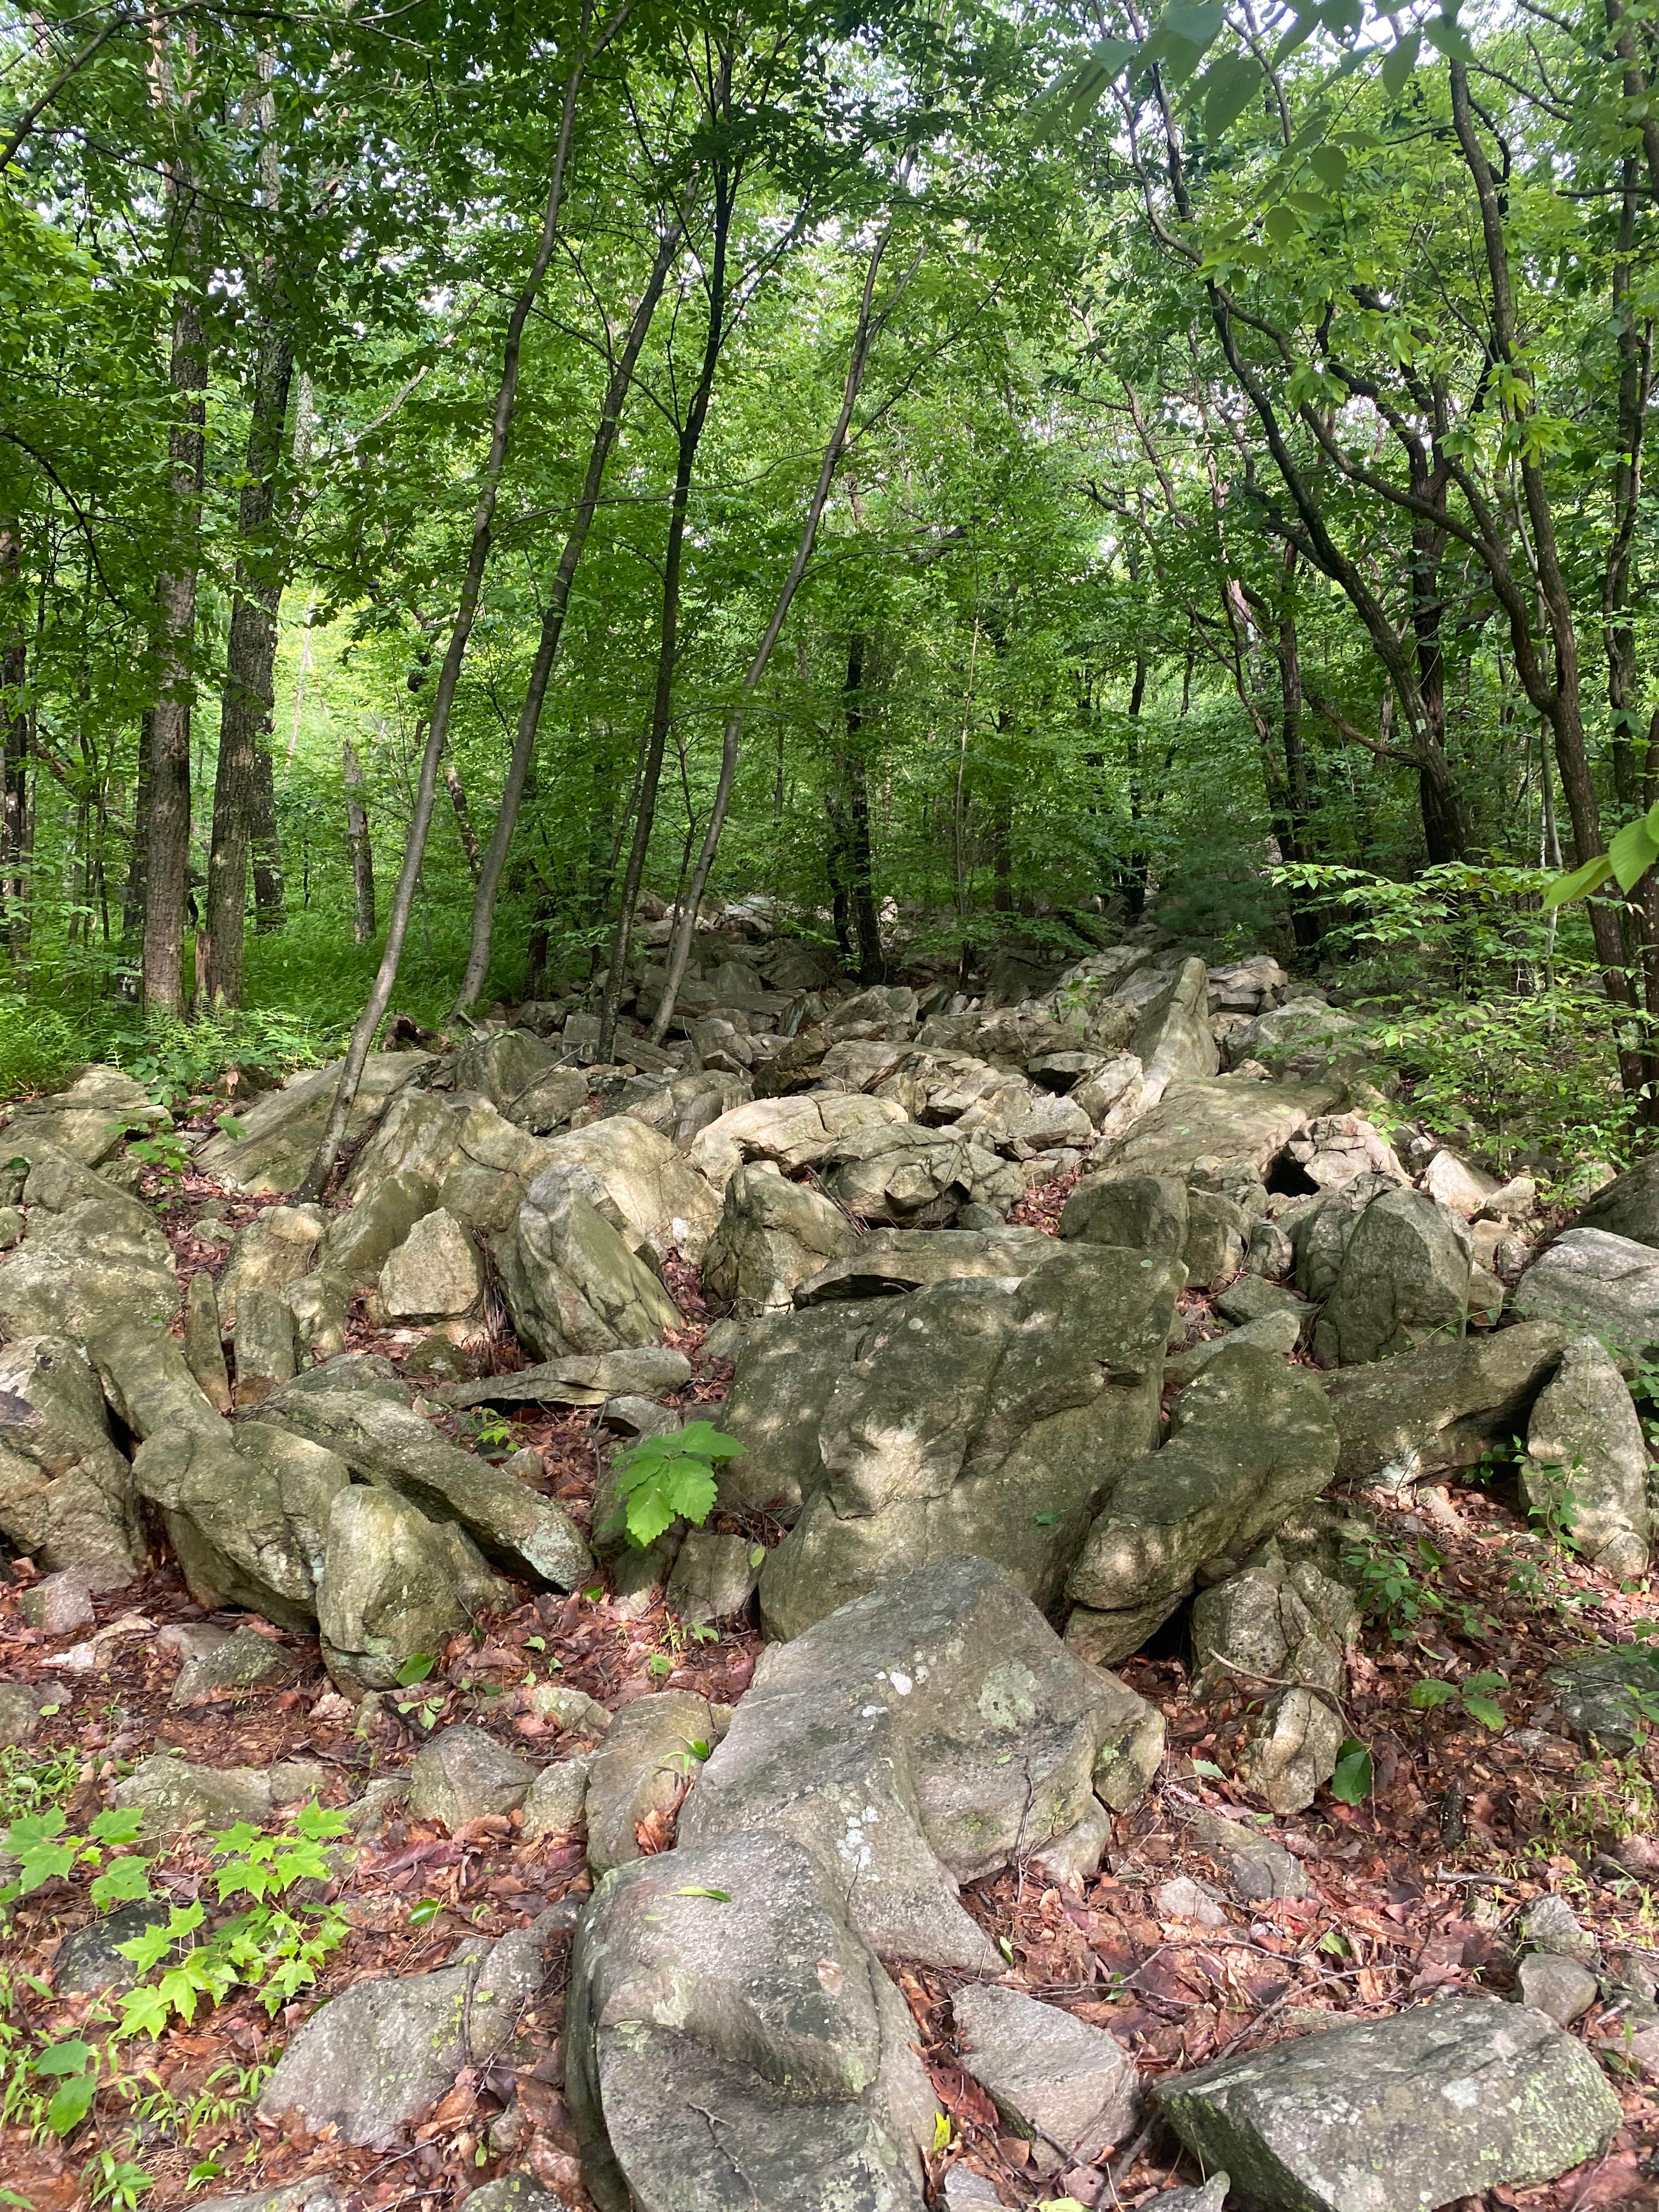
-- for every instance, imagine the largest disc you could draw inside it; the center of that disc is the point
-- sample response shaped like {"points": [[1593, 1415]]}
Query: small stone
{"points": [[1183, 1898], [11, 1227], [641, 1769], [1551, 1925], [246, 1661], [1071, 1857], [23, 1706], [1258, 1868], [571, 1708], [514, 2192], [310, 2195], [175, 1794], [435, 1274], [463, 1774], [557, 1802], [1069, 2089], [1558, 1986], [264, 1345], [60, 1603], [963, 2186], [91, 1959], [1253, 1295], [714, 1576]]}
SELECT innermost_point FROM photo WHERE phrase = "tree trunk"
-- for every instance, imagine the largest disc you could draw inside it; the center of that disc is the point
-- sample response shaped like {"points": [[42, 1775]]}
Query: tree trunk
{"points": [[14, 753], [662, 699], [457, 791], [488, 875], [167, 845], [362, 852]]}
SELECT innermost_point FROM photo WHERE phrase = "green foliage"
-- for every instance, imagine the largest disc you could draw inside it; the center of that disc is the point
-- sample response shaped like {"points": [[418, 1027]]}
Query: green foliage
{"points": [[1474, 1693], [45, 1852], [35, 1780], [664, 1478], [1407, 1589], [1351, 1783]]}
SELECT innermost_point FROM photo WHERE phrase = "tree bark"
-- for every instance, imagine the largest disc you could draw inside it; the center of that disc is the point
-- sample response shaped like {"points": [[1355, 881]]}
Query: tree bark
{"points": [[463, 813], [362, 852], [13, 751], [489, 874]]}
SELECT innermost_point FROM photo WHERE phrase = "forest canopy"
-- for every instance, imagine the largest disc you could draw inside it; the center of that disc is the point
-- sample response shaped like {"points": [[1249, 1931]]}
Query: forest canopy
{"points": [[955, 471]]}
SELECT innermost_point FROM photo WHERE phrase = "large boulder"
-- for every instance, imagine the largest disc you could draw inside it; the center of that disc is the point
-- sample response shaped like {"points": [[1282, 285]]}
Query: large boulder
{"points": [[148, 1382], [906, 1174], [1404, 1278], [981, 1416], [1020, 1118], [66, 1495], [795, 1132], [82, 1271], [503, 1064], [277, 1248], [246, 1511], [733, 2043], [772, 1235], [1429, 1412], [383, 1442], [1586, 1461], [434, 1275], [90, 1121], [1628, 1206], [787, 1370], [395, 1585], [1173, 1041], [661, 1200], [886, 1262], [917, 1739], [1280, 1627], [281, 1131], [1593, 1283], [570, 1281], [1249, 1439], [1224, 1118], [1447, 2100], [1304, 1039], [1149, 1212]]}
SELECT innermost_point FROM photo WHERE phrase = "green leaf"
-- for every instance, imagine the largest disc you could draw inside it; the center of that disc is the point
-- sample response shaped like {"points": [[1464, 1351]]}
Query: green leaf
{"points": [[71, 2057], [208, 2170], [1330, 165], [1632, 853], [426, 1911], [124, 1881], [1399, 64], [1228, 86], [941, 2133], [1198, 21], [416, 1668], [696, 1889], [117, 1826], [649, 1514], [1446, 32], [1208, 1766], [1486, 1711], [1280, 226], [1351, 1784], [1426, 1696], [71, 2103], [757, 1555]]}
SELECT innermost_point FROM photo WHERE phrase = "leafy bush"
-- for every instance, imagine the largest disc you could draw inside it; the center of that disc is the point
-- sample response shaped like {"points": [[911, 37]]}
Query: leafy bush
{"points": [[40, 1047], [668, 1478]]}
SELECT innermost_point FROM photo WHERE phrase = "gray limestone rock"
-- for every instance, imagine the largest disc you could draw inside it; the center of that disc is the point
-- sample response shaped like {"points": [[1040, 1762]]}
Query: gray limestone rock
{"points": [[280, 1132], [663, 1202], [24, 1705], [1280, 1620], [1431, 1411], [503, 1064], [1561, 1988], [462, 1773], [204, 1347], [276, 1249], [1609, 1695], [1551, 1925], [647, 1371], [1258, 1868], [90, 1959], [983, 1417], [918, 1738], [649, 1754], [310, 2195], [1222, 1118], [59, 1603], [781, 2023], [91, 1121], [434, 1275], [1072, 1856], [394, 1584], [571, 1708], [797, 1133], [267, 1354], [1069, 2089], [383, 1442], [570, 1281], [377, 2057], [1147, 1211], [549, 1101], [1217, 1234], [557, 1801], [713, 1577], [172, 1795], [771, 1235], [358, 1244], [788, 1368], [1252, 1298], [1404, 1278], [243, 1660], [1628, 1206], [1276, 1333], [1594, 1285], [95, 1267], [147, 1382], [66, 1495], [887, 1261], [1249, 1439], [1173, 1041], [1322, 1227], [1586, 1457], [1398, 2115], [247, 1510]]}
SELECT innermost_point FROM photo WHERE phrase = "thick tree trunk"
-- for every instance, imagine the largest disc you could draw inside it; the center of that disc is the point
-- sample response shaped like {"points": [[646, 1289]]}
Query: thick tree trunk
{"points": [[167, 845], [362, 852]]}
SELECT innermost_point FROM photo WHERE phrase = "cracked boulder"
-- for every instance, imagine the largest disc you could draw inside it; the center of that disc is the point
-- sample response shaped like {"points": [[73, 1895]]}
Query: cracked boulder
{"points": [[1592, 1283], [1250, 1439], [795, 1132], [66, 1495], [1173, 1041], [1429, 1412], [98, 1264], [734, 2042], [787, 1370], [886, 1262], [918, 1739], [1404, 1278], [246, 1511], [772, 1235], [277, 1248], [1221, 1118], [570, 1281], [394, 1585], [908, 1175], [91, 1121], [1586, 1454], [980, 1416], [661, 1200], [281, 1131]]}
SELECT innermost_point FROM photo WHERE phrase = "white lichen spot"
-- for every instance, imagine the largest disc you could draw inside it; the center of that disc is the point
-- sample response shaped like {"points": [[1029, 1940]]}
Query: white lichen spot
{"points": [[1464, 2093]]}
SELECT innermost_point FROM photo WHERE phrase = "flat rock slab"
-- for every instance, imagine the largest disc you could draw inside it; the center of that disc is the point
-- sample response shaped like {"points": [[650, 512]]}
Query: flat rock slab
{"points": [[1595, 1284], [1069, 2089], [1224, 1118], [280, 1132], [1399, 2115], [889, 1260], [585, 1379]]}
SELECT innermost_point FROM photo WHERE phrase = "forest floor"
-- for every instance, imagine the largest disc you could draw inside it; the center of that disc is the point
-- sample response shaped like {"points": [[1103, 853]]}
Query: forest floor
{"points": [[1418, 1888]]}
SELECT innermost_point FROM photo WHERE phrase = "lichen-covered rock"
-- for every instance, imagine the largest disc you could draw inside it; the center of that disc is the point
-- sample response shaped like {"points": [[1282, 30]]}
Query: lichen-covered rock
{"points": [[276, 1249], [1250, 1438], [1173, 1041], [205, 1345], [394, 1585], [503, 1064], [1425, 1412], [1398, 2115], [662, 1200], [1607, 1694], [1628, 1206], [267, 1353], [1148, 1213], [557, 1801], [795, 1132], [434, 1275], [908, 1175], [782, 2025], [886, 1262], [247, 1512], [787, 1370], [1404, 1278], [1224, 1118], [570, 1281], [244, 1660], [713, 1577], [917, 1739], [76, 1273], [583, 1378], [91, 1121], [1068, 2090], [462, 1773], [1593, 1284], [66, 1495], [772, 1234], [174, 1794], [280, 1133], [650, 1751], [1586, 1461], [983, 1416]]}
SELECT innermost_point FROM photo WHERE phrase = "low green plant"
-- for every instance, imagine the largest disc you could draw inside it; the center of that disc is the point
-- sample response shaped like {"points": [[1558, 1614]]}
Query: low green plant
{"points": [[668, 1478], [1351, 1784], [1474, 1694], [1405, 1590], [32, 1781], [1555, 1508], [415, 1670], [46, 1851]]}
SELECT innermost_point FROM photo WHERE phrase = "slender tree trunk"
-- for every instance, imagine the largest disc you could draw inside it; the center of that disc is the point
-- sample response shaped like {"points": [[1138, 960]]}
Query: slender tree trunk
{"points": [[662, 699], [13, 749], [484, 516], [457, 791], [362, 852], [869, 327], [489, 874], [166, 854]]}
